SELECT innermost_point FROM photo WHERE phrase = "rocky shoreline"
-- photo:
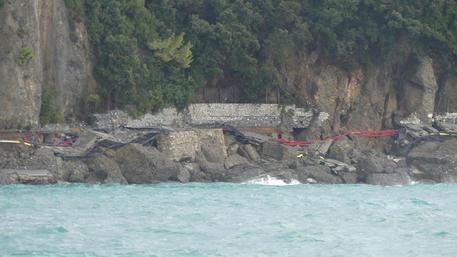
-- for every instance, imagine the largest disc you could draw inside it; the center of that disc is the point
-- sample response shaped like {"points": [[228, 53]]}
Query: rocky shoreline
{"points": [[421, 154]]}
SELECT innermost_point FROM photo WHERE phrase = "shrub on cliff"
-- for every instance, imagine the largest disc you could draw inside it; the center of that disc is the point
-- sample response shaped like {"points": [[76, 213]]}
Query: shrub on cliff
{"points": [[24, 56]]}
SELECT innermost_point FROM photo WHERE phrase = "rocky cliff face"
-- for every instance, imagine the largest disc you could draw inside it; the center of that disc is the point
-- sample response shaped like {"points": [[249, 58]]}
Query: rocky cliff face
{"points": [[42, 48], [370, 97]]}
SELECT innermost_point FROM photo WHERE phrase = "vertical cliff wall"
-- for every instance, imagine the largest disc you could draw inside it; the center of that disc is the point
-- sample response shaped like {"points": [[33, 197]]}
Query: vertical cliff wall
{"points": [[20, 84], [41, 48]]}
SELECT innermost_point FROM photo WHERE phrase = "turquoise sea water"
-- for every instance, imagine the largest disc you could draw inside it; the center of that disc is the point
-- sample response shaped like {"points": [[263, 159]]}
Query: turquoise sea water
{"points": [[228, 220]]}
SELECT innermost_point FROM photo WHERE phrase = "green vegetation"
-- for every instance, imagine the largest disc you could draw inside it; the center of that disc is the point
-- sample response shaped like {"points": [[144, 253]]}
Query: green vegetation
{"points": [[156, 54], [50, 113], [91, 103], [75, 5], [2, 2], [24, 56]]}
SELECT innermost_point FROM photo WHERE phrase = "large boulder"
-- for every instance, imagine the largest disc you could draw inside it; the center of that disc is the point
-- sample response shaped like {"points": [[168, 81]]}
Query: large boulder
{"points": [[104, 170], [141, 165], [435, 160]]}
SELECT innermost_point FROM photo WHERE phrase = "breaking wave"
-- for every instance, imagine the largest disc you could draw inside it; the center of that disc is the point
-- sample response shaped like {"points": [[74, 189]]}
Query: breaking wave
{"points": [[272, 181]]}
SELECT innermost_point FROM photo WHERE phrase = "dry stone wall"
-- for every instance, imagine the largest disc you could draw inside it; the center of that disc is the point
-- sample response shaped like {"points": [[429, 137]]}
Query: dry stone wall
{"points": [[184, 144], [238, 115]]}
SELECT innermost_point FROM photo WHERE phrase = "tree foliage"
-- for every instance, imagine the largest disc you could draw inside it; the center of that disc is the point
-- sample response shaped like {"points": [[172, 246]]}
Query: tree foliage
{"points": [[173, 49], [154, 53]]}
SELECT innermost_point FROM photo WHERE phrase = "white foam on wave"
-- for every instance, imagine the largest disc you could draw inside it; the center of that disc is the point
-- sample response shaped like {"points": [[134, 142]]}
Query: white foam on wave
{"points": [[271, 181]]}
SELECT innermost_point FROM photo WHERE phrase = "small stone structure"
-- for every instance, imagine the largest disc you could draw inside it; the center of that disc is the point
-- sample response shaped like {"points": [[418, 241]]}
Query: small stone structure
{"points": [[238, 115], [184, 144]]}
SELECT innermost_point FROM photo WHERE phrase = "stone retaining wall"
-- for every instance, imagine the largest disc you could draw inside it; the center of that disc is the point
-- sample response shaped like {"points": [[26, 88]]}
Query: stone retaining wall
{"points": [[238, 115]]}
